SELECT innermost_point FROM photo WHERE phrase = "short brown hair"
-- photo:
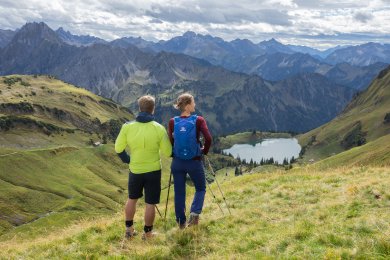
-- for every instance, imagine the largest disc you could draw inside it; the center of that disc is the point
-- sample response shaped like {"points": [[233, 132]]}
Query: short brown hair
{"points": [[146, 104], [183, 100]]}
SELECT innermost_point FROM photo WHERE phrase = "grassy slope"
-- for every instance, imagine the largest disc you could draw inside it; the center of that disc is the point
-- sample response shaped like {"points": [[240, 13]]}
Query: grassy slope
{"points": [[34, 183], [61, 184], [375, 153], [51, 93], [369, 108], [341, 212], [80, 105], [56, 178], [336, 208]]}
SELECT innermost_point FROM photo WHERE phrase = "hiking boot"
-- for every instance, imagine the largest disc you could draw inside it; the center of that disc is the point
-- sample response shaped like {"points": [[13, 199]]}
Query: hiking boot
{"points": [[149, 235], [130, 233], [193, 219], [182, 226]]}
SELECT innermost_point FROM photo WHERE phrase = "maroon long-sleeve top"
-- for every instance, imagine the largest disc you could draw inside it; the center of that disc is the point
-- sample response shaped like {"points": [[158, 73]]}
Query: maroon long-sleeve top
{"points": [[201, 127]]}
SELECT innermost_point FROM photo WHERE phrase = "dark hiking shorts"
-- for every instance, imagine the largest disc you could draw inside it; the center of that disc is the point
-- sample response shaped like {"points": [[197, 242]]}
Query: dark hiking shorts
{"points": [[150, 182]]}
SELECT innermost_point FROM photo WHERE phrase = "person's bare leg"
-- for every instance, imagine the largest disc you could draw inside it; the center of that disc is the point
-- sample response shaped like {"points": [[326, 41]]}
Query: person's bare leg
{"points": [[130, 209], [129, 216], [150, 214]]}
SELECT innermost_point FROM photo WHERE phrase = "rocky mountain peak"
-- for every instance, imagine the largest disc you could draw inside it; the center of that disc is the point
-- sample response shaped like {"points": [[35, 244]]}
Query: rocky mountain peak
{"points": [[33, 33], [189, 34]]}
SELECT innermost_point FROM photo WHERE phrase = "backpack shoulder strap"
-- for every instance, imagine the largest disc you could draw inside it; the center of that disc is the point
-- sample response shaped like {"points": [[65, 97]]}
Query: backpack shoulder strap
{"points": [[193, 118]]}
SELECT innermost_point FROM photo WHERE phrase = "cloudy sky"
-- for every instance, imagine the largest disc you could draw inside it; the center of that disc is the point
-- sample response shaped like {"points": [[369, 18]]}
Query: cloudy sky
{"points": [[316, 23]]}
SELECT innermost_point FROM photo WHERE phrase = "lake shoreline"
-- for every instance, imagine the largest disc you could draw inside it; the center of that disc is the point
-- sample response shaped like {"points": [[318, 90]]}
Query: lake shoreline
{"points": [[225, 142]]}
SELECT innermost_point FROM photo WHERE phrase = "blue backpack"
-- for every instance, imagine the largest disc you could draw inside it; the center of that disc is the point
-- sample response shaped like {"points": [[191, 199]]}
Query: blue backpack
{"points": [[185, 145]]}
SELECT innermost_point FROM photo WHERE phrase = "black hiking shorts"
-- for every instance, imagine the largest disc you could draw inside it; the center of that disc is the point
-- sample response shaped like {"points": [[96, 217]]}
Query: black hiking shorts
{"points": [[150, 182]]}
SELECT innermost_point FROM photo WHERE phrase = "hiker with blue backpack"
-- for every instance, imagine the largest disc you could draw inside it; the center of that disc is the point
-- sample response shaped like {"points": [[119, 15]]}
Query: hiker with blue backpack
{"points": [[184, 133]]}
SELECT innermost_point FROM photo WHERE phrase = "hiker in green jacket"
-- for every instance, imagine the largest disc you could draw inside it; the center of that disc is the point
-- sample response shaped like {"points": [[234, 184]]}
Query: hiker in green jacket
{"points": [[146, 139]]}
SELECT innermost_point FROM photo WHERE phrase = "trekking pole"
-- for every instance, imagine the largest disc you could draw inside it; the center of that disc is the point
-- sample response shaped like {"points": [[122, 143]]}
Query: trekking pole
{"points": [[216, 180], [158, 211], [215, 199], [166, 204]]}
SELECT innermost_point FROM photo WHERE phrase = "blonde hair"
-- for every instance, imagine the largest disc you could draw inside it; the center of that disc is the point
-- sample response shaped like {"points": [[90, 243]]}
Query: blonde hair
{"points": [[146, 104], [183, 100]]}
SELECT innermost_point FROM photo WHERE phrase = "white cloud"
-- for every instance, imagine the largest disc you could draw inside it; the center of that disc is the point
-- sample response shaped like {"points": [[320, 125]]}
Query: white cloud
{"points": [[287, 20], [287, 3]]}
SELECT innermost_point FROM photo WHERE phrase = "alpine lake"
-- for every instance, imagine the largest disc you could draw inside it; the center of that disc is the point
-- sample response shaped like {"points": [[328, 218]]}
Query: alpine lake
{"points": [[276, 148]]}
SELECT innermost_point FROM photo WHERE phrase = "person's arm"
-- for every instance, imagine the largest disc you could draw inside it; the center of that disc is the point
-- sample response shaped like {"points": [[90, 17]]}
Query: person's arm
{"points": [[206, 134], [120, 145], [170, 130], [165, 145]]}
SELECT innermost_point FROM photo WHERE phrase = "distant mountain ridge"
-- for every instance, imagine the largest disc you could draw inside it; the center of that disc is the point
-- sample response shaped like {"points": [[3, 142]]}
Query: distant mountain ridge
{"points": [[83, 40], [362, 55], [271, 59], [314, 52], [124, 74]]}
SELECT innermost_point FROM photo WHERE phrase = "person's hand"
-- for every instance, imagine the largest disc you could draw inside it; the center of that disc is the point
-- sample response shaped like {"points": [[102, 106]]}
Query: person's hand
{"points": [[125, 157], [203, 159]]}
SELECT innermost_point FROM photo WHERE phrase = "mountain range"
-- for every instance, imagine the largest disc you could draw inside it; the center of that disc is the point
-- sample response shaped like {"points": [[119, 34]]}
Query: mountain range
{"points": [[216, 50], [245, 56], [298, 93]]}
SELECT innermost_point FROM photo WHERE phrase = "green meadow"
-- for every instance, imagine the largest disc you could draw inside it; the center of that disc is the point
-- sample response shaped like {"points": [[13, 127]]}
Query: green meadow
{"points": [[302, 213]]}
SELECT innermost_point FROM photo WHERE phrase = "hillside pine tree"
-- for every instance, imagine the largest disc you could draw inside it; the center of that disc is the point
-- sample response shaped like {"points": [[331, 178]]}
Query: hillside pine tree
{"points": [[236, 172]]}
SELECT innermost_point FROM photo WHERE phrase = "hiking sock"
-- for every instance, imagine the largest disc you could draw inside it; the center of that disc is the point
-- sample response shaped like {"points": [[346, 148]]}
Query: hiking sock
{"points": [[148, 229], [128, 223]]}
